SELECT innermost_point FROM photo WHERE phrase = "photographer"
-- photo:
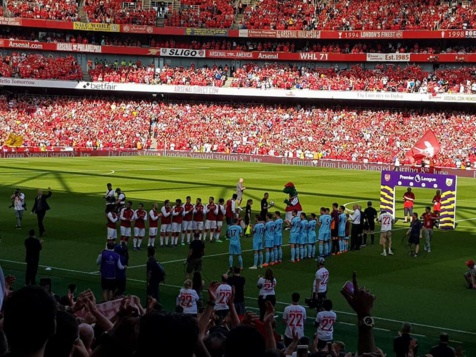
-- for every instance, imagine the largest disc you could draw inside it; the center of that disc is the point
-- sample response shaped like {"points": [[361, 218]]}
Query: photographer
{"points": [[18, 204]]}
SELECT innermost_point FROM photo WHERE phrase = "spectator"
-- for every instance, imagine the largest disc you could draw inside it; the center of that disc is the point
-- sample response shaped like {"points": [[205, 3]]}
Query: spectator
{"points": [[35, 305], [267, 293], [401, 343], [294, 316], [442, 349], [325, 321], [195, 255], [187, 299]]}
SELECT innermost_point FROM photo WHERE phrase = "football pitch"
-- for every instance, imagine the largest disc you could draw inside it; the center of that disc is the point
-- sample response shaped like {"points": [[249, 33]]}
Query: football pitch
{"points": [[428, 291]]}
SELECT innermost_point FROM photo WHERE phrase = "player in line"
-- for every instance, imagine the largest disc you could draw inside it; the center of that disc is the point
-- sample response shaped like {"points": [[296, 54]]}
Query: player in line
{"points": [[324, 236], [234, 233], [258, 236], [311, 237], [278, 237], [295, 229], [269, 240], [303, 236]]}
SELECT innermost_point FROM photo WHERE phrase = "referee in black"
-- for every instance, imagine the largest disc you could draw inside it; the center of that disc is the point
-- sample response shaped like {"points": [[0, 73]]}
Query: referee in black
{"points": [[195, 255]]}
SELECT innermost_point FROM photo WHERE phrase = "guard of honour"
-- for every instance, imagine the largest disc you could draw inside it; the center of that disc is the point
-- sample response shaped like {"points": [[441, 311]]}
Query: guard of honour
{"points": [[179, 221]]}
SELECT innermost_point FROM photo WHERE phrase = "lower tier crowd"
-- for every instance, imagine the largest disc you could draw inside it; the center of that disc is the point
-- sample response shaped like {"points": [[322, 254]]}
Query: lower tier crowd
{"points": [[312, 132]]}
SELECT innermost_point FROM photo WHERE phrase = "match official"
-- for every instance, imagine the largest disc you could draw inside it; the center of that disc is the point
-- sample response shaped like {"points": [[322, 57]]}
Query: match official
{"points": [[40, 207]]}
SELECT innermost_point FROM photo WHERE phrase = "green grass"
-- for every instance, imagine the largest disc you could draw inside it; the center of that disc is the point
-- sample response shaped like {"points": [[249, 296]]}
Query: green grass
{"points": [[429, 290]]}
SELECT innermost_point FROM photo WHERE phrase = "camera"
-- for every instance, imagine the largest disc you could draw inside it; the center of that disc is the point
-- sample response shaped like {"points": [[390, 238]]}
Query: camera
{"points": [[16, 194]]}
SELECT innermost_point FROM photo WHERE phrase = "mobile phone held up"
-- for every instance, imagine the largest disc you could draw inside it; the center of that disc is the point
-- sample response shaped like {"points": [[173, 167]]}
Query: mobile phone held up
{"points": [[349, 287]]}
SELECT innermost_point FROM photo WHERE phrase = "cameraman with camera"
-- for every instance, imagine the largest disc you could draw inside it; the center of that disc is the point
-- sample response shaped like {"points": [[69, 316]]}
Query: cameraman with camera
{"points": [[19, 205]]}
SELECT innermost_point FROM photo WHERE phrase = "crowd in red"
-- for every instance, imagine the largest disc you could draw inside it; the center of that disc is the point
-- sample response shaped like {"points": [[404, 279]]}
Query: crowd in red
{"points": [[61, 10], [359, 15], [411, 78], [37, 66], [203, 14], [114, 11], [198, 43], [373, 135], [47, 122], [135, 73]]}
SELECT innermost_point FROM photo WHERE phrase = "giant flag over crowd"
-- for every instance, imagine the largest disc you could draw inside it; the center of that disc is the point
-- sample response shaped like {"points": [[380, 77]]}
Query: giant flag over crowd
{"points": [[425, 148]]}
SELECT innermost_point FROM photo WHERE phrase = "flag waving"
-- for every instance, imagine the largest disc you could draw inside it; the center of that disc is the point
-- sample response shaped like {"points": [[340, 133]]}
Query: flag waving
{"points": [[427, 147]]}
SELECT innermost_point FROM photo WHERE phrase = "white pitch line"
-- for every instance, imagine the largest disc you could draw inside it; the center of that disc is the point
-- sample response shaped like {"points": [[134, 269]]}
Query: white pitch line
{"points": [[254, 298], [346, 323]]}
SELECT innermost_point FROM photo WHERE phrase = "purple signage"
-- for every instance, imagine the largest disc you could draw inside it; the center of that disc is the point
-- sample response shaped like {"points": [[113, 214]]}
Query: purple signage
{"points": [[419, 180]]}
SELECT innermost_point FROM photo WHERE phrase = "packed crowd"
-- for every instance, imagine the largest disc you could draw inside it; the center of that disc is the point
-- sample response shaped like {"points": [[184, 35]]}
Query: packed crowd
{"points": [[359, 15], [135, 73], [390, 78], [363, 135], [38, 66], [61, 10], [203, 14], [119, 12], [199, 43]]}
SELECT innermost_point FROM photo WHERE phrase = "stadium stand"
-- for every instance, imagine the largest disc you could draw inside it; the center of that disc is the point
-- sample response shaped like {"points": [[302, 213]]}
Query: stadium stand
{"points": [[203, 14], [119, 12], [61, 10]]}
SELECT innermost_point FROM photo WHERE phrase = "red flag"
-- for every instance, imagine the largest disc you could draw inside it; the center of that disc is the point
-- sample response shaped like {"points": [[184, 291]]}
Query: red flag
{"points": [[427, 147]]}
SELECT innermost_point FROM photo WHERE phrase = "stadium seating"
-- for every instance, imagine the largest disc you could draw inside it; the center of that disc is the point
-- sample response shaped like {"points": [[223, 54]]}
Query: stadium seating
{"points": [[61, 10], [358, 15], [114, 11], [372, 135], [203, 14], [41, 67]]}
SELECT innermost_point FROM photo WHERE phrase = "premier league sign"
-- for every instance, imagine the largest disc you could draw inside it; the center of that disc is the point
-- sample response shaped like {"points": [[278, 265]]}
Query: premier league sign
{"points": [[445, 183]]}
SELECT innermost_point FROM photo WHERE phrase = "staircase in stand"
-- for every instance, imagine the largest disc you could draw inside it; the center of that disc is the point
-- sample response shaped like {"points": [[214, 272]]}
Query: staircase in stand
{"points": [[239, 17], [83, 17]]}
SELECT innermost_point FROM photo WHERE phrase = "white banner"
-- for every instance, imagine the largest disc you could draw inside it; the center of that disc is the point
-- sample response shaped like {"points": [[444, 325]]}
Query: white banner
{"points": [[241, 92], [182, 52], [388, 57]]}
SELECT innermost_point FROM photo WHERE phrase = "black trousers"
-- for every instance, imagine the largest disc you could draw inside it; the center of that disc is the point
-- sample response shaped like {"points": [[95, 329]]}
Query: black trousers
{"points": [[30, 274], [153, 290], [262, 304], [355, 237], [40, 215]]}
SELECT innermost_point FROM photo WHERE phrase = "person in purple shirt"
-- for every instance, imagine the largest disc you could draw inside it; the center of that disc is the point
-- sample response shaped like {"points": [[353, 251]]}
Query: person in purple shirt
{"points": [[109, 262]]}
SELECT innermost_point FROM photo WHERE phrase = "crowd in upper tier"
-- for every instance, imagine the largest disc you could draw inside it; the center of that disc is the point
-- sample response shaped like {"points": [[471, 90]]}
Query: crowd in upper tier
{"points": [[267, 14], [373, 135]]}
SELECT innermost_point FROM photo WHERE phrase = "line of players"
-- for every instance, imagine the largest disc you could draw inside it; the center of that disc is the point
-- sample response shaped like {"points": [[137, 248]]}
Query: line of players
{"points": [[176, 222], [268, 236]]}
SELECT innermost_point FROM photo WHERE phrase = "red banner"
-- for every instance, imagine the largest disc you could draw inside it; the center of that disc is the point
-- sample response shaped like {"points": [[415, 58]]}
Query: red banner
{"points": [[427, 147], [239, 55]]}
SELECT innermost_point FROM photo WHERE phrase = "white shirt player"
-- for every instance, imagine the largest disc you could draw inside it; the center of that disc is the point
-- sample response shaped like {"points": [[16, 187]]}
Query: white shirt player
{"points": [[223, 296], [187, 299], [295, 317], [320, 281], [386, 220], [325, 321], [266, 287]]}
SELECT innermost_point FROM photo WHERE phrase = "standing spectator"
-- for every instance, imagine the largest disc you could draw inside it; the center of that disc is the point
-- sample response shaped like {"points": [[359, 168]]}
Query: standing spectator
{"points": [[414, 233], [234, 233], [109, 197], [408, 203], [370, 215], [18, 203], [355, 218], [33, 247], [239, 191], [188, 299], [40, 207], [321, 280], [38, 307], [195, 255], [401, 343], [197, 285], [442, 349], [155, 274], [123, 252], [470, 275], [109, 262], [429, 221], [237, 282], [294, 316], [386, 220], [266, 287], [223, 296], [325, 321], [264, 206]]}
